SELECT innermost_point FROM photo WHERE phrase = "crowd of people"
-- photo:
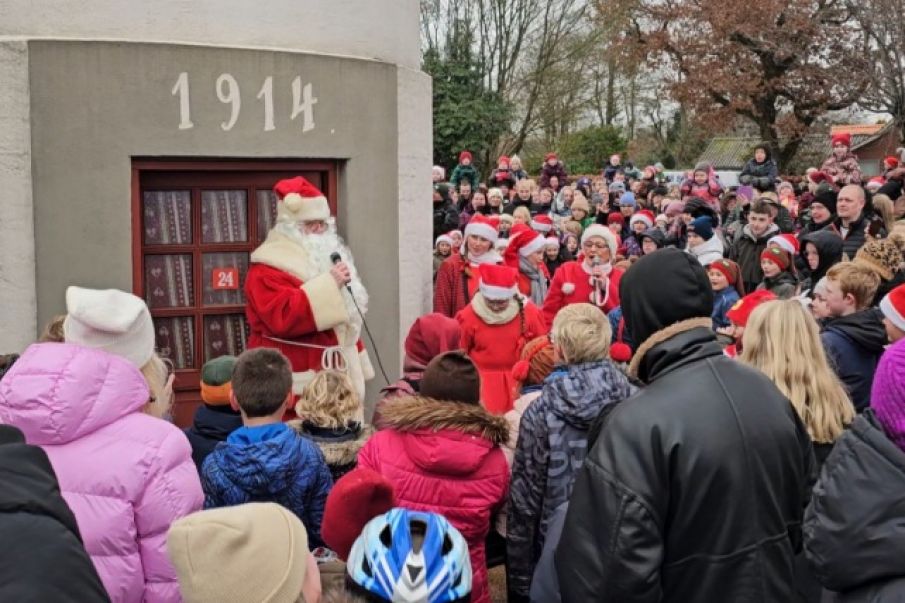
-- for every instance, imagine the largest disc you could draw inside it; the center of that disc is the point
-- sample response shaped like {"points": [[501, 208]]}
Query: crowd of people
{"points": [[627, 391]]}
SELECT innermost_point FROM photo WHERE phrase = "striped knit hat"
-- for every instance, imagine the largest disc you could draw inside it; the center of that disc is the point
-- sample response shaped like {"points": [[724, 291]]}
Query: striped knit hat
{"points": [[216, 380]]}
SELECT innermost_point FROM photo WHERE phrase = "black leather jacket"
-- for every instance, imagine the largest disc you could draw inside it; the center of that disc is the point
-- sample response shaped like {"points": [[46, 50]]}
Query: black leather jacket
{"points": [[695, 489]]}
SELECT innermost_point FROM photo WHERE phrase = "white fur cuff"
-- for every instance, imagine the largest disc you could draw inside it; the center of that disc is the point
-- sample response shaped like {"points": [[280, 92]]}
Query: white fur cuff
{"points": [[326, 301]]}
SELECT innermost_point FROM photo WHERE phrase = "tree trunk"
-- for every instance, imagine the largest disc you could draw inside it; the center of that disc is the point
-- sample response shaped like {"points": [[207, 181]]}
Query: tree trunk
{"points": [[610, 92]]}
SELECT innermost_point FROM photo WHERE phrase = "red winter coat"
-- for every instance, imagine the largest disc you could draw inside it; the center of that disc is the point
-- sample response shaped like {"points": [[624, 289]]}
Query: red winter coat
{"points": [[495, 349], [572, 285], [445, 457], [455, 285]]}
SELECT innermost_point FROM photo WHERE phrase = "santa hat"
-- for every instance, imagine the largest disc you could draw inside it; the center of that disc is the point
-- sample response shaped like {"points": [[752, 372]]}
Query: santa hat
{"points": [[818, 177], [542, 223], [741, 311], [357, 497], [893, 307], [550, 156], [551, 242], [598, 230], [300, 201], [522, 242], [498, 282], [455, 232], [110, 320], [662, 218], [787, 242], [843, 138], [874, 184], [443, 239], [481, 226], [464, 155], [780, 257], [891, 163], [645, 215]]}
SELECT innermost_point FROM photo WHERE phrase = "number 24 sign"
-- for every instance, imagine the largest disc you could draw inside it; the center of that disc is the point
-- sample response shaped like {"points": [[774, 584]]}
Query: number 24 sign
{"points": [[225, 279]]}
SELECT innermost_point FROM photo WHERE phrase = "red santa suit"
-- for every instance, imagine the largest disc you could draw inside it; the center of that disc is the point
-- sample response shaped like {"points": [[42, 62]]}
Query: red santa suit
{"points": [[495, 341], [294, 304]]}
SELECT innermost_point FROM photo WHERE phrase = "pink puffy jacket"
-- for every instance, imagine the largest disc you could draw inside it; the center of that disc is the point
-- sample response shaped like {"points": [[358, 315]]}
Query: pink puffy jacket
{"points": [[127, 476]]}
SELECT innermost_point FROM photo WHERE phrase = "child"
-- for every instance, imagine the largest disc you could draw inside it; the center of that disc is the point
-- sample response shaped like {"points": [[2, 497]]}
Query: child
{"points": [[822, 250], [464, 172], [738, 316], [726, 281], [529, 373], [703, 242], [553, 433], [214, 420], [515, 165], [554, 255], [502, 177], [507, 221], [553, 167], [639, 223], [330, 415], [854, 336], [495, 327], [662, 223], [751, 242], [893, 308], [842, 165], [266, 460], [442, 250], [581, 210], [522, 198], [441, 452], [778, 270], [521, 215], [819, 308], [615, 221], [703, 184], [651, 240]]}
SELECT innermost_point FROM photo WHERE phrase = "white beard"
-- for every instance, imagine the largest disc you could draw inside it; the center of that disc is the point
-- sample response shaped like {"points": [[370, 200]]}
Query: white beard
{"points": [[318, 248]]}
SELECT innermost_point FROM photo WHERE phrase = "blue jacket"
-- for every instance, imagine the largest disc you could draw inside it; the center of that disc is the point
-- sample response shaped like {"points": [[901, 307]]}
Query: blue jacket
{"points": [[552, 445], [270, 463], [854, 345], [722, 303], [212, 425]]}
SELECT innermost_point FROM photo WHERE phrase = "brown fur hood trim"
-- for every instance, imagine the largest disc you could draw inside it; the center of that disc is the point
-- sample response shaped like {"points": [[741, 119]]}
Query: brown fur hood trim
{"points": [[414, 413], [337, 453], [661, 336]]}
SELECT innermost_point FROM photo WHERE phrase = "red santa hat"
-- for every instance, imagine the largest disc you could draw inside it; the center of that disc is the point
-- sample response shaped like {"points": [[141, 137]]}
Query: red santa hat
{"points": [[444, 239], [300, 201], [464, 155], [893, 307], [481, 226], [551, 242], [741, 311], [645, 216], [498, 282], [891, 163], [542, 223], [522, 242], [874, 184], [598, 230], [503, 159], [843, 138], [787, 242]]}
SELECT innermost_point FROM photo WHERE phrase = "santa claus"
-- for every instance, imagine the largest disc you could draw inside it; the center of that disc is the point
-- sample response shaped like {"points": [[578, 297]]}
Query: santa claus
{"points": [[297, 298]]}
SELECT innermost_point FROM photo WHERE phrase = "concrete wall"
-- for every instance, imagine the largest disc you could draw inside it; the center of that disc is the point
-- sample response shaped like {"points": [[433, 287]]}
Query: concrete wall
{"points": [[387, 30]]}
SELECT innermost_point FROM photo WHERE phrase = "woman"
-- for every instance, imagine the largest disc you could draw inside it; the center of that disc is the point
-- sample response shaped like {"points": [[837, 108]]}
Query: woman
{"points": [[525, 253], [885, 210], [495, 327], [821, 250], [126, 475], [495, 201], [478, 205], [589, 279], [457, 278], [441, 452], [555, 255], [854, 527]]}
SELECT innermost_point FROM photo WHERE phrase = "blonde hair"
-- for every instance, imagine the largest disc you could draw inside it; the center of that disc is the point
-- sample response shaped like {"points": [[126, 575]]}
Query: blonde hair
{"points": [[856, 279], [522, 212], [156, 371], [582, 333], [783, 342], [494, 192], [329, 401], [884, 207], [53, 330]]}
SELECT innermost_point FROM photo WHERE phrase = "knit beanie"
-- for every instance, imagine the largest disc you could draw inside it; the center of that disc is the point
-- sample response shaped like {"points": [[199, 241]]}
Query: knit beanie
{"points": [[536, 362], [452, 376], [250, 552], [674, 208], [778, 256], [216, 380], [881, 255], [731, 271], [615, 218], [628, 199], [826, 197], [110, 320], [355, 499], [887, 396], [431, 335], [702, 226], [617, 187], [580, 202]]}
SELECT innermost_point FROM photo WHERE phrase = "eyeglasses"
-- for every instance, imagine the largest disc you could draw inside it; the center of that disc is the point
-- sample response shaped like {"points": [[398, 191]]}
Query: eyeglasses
{"points": [[593, 245]]}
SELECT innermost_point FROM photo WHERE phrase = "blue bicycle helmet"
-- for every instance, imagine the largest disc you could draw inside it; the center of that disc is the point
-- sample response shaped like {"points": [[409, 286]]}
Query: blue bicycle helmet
{"points": [[411, 557]]}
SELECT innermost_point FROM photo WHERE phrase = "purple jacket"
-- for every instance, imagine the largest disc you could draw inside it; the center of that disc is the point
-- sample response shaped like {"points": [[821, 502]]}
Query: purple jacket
{"points": [[126, 475]]}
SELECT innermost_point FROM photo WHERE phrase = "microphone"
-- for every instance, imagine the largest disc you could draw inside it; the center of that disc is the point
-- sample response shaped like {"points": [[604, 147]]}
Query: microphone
{"points": [[336, 259]]}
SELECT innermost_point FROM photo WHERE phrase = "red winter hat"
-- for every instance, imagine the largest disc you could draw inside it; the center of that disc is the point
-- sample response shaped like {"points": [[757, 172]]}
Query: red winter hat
{"points": [[843, 138], [891, 163], [741, 311], [481, 226], [464, 155], [728, 268], [615, 218], [300, 201], [550, 156], [430, 336], [356, 498], [522, 242], [893, 307], [645, 215], [498, 282], [818, 177], [780, 257], [542, 223], [787, 242], [503, 159]]}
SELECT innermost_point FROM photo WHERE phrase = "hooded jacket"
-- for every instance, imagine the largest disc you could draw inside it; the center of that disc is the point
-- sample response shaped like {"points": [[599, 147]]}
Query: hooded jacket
{"points": [[339, 446], [854, 536], [709, 251], [761, 176], [829, 250], [745, 251], [551, 447], [126, 475], [854, 344], [695, 487], [211, 425], [270, 463], [444, 457], [43, 558]]}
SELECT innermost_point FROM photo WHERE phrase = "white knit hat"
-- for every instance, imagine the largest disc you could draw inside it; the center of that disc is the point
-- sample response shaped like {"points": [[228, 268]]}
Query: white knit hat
{"points": [[111, 320], [598, 230], [250, 552]]}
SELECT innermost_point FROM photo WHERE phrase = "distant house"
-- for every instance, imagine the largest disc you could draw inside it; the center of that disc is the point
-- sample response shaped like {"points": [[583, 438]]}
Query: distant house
{"points": [[870, 142]]}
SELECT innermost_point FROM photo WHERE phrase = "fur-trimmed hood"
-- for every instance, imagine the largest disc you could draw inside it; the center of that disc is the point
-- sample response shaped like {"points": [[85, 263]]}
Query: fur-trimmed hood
{"points": [[418, 413], [337, 451]]}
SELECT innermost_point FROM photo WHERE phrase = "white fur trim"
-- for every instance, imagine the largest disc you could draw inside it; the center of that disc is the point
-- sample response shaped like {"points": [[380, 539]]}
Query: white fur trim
{"points": [[783, 244], [890, 312], [326, 302], [598, 230], [479, 229], [541, 227], [568, 288], [295, 208], [492, 292], [280, 252], [367, 368], [641, 218], [536, 244]]}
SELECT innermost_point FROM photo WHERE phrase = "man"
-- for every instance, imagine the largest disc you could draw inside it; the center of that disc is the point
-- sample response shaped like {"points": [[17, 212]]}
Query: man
{"points": [[297, 298], [696, 486], [751, 242], [851, 223]]}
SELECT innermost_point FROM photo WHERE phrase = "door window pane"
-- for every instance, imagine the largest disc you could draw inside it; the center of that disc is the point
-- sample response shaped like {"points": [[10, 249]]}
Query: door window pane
{"points": [[267, 212], [176, 340], [168, 281], [224, 334], [223, 278], [224, 216], [167, 217]]}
